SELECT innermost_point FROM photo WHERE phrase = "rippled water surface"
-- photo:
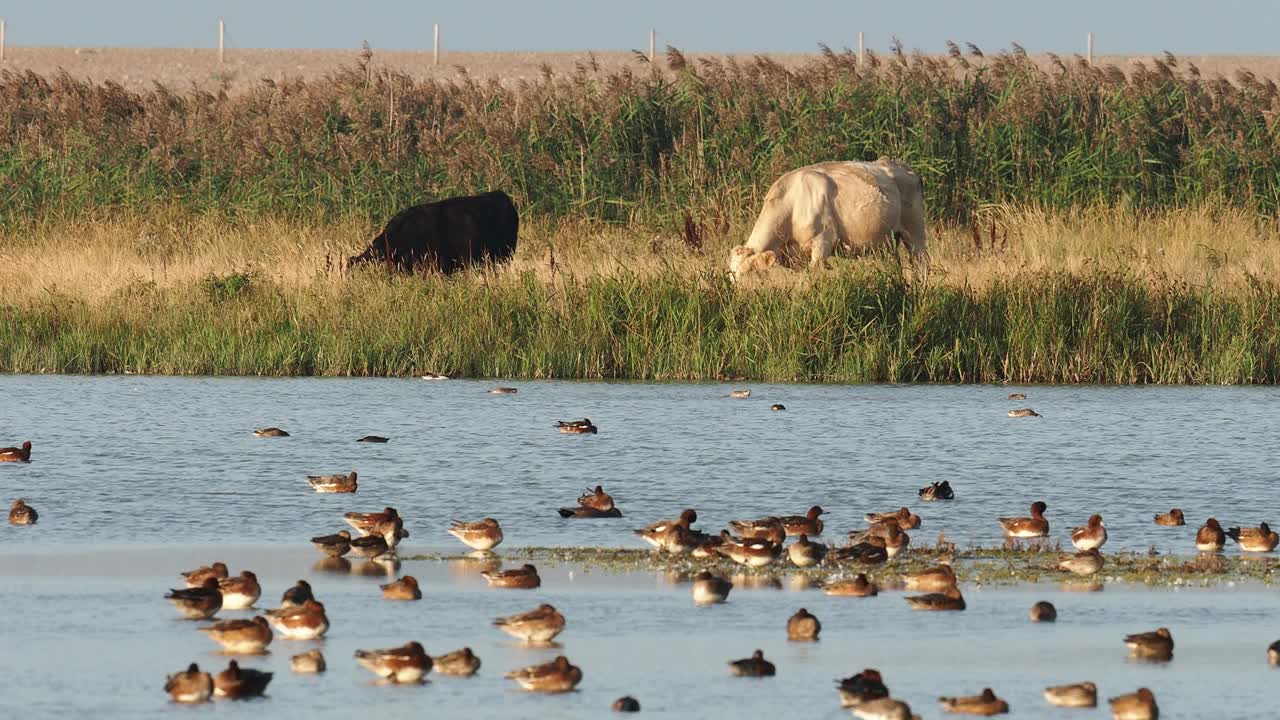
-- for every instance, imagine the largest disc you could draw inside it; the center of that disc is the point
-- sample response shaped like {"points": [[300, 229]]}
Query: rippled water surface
{"points": [[138, 478]]}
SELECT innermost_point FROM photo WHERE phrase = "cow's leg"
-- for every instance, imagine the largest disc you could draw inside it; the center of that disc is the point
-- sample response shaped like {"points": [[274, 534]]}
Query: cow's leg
{"points": [[823, 238]]}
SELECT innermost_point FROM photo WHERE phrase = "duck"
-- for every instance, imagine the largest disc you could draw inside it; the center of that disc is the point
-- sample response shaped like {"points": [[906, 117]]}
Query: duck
{"points": [[934, 579], [884, 709], [1079, 695], [1273, 653], [710, 589], [1171, 519], [1088, 562], [189, 686], [435, 376], [1091, 536], [1027, 527], [777, 407], [739, 393], [16, 454], [597, 498], [1044, 611], [1023, 412], [584, 512], [198, 603], [937, 491], [1259, 539], [374, 439], [297, 595], [905, 519], [459, 663], [656, 532], [860, 586], [22, 514], [404, 665], [406, 588], [538, 626], [754, 666], [806, 553], [752, 553], [1211, 537], [242, 637], [392, 532], [370, 546], [863, 553], [503, 391], [626, 704], [1155, 645], [1017, 396], [557, 676], [240, 592], [803, 627], [705, 547], [196, 578], [308, 663], [577, 427], [481, 535], [883, 534], [949, 599], [335, 545], [1140, 705], [769, 528], [270, 432], [364, 523], [334, 483], [861, 688], [307, 621], [236, 682], [521, 578], [985, 704], [808, 524]]}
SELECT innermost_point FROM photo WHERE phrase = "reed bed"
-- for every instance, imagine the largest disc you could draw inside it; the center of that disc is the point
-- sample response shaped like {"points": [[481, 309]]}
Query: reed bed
{"points": [[647, 145]]}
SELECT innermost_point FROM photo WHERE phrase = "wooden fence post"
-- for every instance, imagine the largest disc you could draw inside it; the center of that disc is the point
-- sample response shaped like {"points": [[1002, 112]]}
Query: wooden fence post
{"points": [[2, 40], [651, 44], [862, 53], [435, 44], [1089, 47], [222, 31]]}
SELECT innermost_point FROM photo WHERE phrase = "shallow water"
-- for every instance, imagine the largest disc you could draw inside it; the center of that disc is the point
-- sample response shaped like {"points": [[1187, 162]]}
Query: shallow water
{"points": [[154, 460], [96, 638], [138, 478]]}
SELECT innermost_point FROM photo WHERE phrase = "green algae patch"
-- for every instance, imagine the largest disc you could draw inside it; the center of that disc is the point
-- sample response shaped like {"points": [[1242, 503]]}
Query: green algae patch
{"points": [[973, 566]]}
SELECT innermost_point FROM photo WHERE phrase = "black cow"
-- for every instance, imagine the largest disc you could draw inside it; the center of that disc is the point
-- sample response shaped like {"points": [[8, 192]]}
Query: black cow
{"points": [[448, 235]]}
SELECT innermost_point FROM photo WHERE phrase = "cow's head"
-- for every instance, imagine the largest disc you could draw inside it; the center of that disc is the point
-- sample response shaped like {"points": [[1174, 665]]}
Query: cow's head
{"points": [[743, 261]]}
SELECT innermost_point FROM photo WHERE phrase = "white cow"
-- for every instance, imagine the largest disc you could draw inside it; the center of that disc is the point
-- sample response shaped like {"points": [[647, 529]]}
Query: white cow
{"points": [[810, 211]]}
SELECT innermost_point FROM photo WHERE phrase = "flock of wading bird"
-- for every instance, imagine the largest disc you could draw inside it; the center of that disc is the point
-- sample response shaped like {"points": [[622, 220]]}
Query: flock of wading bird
{"points": [[755, 543]]}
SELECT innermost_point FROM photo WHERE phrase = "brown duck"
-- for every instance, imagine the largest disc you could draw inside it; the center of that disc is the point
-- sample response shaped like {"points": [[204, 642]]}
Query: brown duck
{"points": [[985, 704], [803, 627], [406, 588], [16, 454], [521, 578], [950, 599], [1211, 537], [22, 514], [1172, 518]]}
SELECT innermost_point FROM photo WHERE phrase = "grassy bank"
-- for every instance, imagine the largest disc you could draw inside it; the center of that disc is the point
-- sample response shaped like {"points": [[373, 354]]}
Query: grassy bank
{"points": [[863, 325], [1117, 296], [645, 145]]}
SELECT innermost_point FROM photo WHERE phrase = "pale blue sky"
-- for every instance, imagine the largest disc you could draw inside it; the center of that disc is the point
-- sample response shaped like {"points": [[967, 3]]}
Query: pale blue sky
{"points": [[1186, 27]]}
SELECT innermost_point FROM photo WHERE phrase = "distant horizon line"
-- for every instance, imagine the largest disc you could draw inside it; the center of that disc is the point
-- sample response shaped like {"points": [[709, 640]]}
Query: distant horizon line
{"points": [[660, 51]]}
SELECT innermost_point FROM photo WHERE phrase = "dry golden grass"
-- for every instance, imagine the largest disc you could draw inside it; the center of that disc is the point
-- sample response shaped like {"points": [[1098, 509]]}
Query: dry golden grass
{"points": [[180, 68], [93, 260]]}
